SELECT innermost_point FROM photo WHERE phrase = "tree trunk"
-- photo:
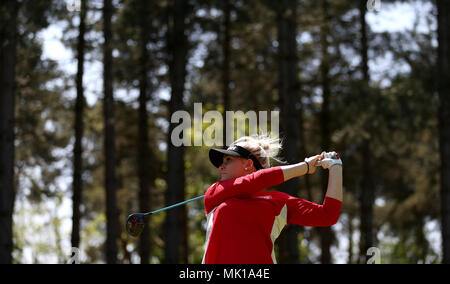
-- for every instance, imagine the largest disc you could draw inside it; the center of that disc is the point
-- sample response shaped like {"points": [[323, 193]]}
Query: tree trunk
{"points": [[326, 235], [144, 151], [367, 194], [109, 150], [79, 126], [175, 223], [289, 99], [444, 120], [350, 238], [226, 63], [8, 35]]}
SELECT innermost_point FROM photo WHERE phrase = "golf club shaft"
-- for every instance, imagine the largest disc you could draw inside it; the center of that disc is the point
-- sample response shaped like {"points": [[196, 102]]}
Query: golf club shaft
{"points": [[175, 205]]}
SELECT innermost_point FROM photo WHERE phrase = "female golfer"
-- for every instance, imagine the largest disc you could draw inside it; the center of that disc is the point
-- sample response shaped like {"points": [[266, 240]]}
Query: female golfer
{"points": [[243, 221]]}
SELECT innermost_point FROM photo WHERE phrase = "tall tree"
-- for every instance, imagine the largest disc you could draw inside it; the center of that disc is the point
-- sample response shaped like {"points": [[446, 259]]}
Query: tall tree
{"points": [[326, 236], [289, 99], [175, 228], [109, 138], [8, 36], [144, 151], [79, 127], [226, 47], [367, 194], [443, 8]]}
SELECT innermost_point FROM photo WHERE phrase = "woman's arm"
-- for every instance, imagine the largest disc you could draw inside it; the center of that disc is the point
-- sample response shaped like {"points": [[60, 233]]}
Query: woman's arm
{"points": [[300, 169], [242, 186], [334, 189], [292, 171], [306, 213], [333, 163], [335, 172]]}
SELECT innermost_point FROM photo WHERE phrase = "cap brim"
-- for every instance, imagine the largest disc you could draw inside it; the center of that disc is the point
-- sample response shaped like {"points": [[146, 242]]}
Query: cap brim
{"points": [[216, 156]]}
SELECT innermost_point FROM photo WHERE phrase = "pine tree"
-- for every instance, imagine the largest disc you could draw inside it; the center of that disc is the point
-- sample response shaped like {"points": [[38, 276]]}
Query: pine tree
{"points": [[109, 138], [444, 120], [289, 98], [79, 129], [175, 225], [8, 37], [367, 197], [144, 151]]}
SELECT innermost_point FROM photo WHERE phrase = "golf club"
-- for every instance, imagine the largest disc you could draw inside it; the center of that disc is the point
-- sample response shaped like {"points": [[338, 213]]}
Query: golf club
{"points": [[136, 223]]}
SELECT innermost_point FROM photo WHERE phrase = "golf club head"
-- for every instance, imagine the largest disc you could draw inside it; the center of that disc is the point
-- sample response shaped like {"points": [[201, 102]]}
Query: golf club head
{"points": [[135, 224]]}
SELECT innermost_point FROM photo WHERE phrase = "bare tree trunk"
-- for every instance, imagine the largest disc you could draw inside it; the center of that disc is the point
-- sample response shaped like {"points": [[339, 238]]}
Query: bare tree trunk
{"points": [[289, 96], [79, 126], [8, 38], [144, 151], [367, 194], [350, 238], [226, 63], [326, 235], [444, 120], [174, 229], [110, 175], [420, 238]]}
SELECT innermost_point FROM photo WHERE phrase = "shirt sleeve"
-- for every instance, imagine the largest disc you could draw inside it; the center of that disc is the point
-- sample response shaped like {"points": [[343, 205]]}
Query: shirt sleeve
{"points": [[241, 186], [310, 214]]}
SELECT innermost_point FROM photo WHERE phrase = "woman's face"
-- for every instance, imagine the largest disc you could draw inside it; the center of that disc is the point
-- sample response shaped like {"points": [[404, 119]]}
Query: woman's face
{"points": [[234, 167]]}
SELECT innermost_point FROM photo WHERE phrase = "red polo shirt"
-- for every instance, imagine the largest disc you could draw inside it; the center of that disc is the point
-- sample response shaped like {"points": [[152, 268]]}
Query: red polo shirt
{"points": [[243, 221]]}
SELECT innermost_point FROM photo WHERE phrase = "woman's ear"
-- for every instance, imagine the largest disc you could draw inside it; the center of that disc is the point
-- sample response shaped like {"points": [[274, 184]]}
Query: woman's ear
{"points": [[248, 164]]}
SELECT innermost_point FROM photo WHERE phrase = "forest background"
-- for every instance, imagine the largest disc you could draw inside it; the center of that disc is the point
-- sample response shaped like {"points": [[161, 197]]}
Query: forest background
{"points": [[89, 88]]}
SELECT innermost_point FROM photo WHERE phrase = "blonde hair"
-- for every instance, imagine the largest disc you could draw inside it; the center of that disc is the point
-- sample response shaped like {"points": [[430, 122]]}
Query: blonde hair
{"points": [[263, 147]]}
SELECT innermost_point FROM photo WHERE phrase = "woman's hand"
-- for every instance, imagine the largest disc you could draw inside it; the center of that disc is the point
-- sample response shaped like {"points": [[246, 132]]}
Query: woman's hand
{"points": [[329, 159], [313, 163], [309, 166]]}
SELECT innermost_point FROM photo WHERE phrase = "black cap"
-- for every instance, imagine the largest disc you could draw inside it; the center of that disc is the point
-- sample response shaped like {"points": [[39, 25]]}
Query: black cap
{"points": [[216, 155]]}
